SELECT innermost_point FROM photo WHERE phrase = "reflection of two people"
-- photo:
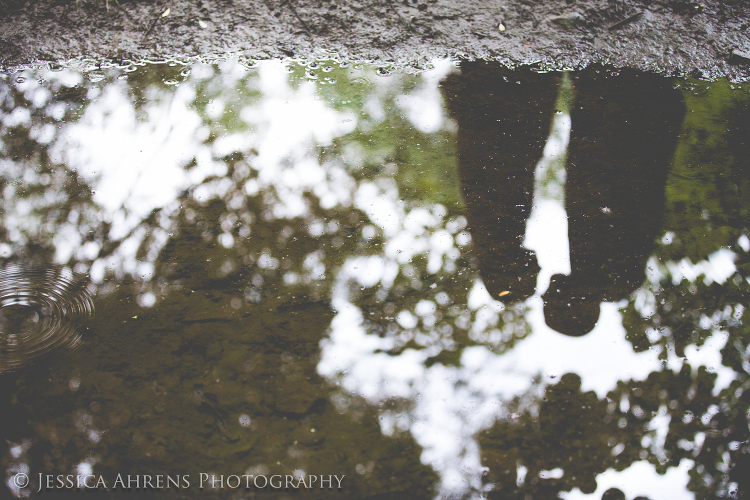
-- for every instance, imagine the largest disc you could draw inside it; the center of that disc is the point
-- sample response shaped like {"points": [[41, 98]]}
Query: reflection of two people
{"points": [[623, 135]]}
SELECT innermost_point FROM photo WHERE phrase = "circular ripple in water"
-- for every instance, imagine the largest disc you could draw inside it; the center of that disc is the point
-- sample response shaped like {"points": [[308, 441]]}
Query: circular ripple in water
{"points": [[41, 309]]}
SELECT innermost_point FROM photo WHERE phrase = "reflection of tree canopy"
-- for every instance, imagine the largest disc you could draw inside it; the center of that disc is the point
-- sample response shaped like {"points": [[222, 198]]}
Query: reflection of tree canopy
{"points": [[42, 199], [708, 189], [420, 159], [585, 436], [239, 297], [236, 299]]}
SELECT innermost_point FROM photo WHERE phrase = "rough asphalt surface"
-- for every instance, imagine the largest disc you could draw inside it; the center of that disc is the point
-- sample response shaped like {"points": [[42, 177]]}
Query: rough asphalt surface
{"points": [[708, 39]]}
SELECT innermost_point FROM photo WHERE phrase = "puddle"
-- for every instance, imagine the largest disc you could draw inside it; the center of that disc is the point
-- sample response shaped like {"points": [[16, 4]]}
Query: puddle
{"points": [[334, 279]]}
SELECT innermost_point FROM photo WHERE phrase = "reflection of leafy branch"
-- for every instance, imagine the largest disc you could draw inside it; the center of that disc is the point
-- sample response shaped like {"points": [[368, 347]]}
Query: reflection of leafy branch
{"points": [[708, 194], [584, 436]]}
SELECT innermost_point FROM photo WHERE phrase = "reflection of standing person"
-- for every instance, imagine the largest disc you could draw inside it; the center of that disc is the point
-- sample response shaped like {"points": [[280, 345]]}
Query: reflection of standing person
{"points": [[503, 123], [623, 136]]}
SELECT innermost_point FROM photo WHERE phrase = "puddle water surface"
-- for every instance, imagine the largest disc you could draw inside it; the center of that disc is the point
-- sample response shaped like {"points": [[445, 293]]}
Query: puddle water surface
{"points": [[327, 280]]}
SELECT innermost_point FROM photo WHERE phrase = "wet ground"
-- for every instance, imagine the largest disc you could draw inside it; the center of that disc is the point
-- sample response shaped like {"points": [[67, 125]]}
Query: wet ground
{"points": [[703, 39], [256, 281]]}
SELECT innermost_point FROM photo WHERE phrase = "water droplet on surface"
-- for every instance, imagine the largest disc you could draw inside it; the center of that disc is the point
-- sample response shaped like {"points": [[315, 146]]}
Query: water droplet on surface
{"points": [[40, 310]]}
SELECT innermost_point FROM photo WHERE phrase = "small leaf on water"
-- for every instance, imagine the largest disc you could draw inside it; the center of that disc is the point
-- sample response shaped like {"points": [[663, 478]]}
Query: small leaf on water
{"points": [[503, 294]]}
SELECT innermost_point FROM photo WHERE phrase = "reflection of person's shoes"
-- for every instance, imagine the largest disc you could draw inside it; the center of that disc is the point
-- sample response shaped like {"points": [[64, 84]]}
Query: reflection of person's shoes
{"points": [[570, 307], [510, 275]]}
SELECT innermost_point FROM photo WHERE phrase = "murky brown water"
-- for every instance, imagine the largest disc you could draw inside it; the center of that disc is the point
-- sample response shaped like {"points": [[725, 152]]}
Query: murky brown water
{"points": [[316, 281]]}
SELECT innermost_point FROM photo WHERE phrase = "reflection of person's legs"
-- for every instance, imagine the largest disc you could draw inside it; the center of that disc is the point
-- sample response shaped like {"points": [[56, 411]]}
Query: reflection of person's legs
{"points": [[623, 136], [503, 123]]}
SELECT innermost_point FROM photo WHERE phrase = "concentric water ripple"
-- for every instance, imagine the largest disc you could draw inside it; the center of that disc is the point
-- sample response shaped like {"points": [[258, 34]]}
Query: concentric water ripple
{"points": [[41, 309]]}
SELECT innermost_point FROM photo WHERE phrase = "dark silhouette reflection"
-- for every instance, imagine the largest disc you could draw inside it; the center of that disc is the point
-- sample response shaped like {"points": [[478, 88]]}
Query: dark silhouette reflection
{"points": [[624, 133], [623, 136], [503, 122]]}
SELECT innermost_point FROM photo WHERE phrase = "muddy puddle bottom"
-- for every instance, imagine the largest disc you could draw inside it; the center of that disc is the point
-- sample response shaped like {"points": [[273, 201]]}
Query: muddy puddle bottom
{"points": [[330, 281]]}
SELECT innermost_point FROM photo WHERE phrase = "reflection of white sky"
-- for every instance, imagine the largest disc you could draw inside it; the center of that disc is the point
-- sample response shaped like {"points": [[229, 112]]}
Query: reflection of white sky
{"points": [[547, 227], [133, 166], [641, 479], [136, 166], [423, 107], [288, 123]]}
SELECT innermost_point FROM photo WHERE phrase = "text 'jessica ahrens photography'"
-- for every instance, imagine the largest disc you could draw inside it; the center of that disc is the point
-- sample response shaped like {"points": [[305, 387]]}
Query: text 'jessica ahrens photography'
{"points": [[181, 481]]}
